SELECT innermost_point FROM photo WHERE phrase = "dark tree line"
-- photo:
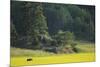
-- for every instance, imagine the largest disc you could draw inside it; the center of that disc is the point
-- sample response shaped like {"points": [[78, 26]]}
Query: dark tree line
{"points": [[39, 24]]}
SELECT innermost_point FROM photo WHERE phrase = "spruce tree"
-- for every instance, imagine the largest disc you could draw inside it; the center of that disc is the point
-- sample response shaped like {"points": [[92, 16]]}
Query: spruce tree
{"points": [[39, 26]]}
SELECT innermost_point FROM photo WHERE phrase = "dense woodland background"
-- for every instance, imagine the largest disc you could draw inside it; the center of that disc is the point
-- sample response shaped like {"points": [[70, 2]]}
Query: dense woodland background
{"points": [[50, 26]]}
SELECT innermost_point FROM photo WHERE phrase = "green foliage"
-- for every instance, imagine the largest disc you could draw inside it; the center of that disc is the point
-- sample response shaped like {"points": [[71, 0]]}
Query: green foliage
{"points": [[64, 38], [14, 35], [40, 23], [38, 27], [73, 46], [51, 24]]}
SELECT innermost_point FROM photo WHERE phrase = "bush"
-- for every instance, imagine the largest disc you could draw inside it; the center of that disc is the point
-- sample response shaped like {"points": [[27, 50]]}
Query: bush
{"points": [[73, 45]]}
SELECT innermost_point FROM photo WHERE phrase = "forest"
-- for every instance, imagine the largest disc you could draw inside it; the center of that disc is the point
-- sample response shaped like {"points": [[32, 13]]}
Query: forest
{"points": [[51, 27]]}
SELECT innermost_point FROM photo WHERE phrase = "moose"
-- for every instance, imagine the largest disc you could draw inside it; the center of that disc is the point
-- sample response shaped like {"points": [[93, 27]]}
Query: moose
{"points": [[29, 59]]}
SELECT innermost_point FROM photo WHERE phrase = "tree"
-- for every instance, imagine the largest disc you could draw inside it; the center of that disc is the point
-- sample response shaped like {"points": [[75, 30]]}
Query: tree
{"points": [[39, 26], [13, 35], [64, 38], [35, 21]]}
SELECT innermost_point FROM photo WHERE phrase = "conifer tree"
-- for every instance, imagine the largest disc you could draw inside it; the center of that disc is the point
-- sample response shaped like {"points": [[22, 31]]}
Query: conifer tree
{"points": [[39, 26]]}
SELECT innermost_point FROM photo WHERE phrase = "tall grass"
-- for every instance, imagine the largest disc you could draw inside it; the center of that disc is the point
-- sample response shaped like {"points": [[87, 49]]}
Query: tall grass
{"points": [[82, 47], [17, 52], [85, 47]]}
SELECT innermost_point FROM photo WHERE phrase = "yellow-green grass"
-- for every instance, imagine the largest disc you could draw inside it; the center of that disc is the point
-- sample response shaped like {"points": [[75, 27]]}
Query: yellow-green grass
{"points": [[19, 56], [65, 58], [86, 47], [19, 52], [81, 47]]}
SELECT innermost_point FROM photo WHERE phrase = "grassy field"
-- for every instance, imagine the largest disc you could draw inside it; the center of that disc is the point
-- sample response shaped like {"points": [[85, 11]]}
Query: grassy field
{"points": [[17, 52], [86, 47], [70, 58], [19, 56]]}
